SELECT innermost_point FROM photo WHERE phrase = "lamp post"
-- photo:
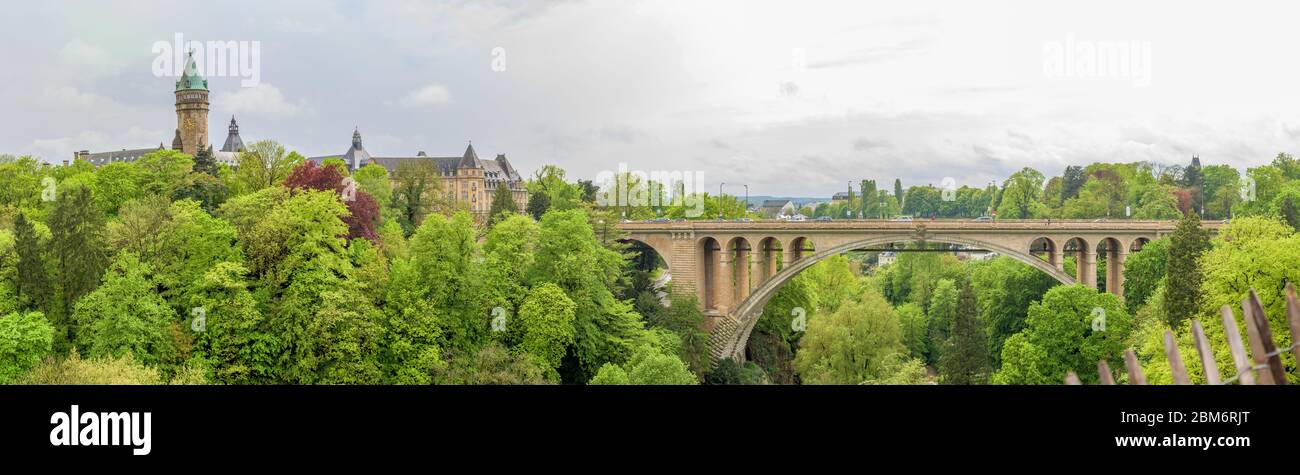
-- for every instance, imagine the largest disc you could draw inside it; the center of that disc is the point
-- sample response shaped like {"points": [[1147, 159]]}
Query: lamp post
{"points": [[721, 216]]}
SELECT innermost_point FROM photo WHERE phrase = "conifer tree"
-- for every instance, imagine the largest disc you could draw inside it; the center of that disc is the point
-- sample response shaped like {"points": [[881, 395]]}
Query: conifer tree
{"points": [[32, 283], [77, 247], [1183, 270], [502, 202], [965, 357], [204, 162]]}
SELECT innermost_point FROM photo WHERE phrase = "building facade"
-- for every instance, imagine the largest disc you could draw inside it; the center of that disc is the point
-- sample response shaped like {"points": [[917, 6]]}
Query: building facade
{"points": [[466, 180]]}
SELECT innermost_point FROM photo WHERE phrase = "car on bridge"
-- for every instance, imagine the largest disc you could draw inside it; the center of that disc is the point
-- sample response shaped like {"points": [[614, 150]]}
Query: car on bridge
{"points": [[903, 219], [824, 218], [983, 218]]}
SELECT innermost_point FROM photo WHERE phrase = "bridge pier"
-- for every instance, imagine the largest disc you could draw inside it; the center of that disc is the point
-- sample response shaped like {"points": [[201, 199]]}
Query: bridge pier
{"points": [[1115, 273], [759, 261], [1057, 258], [722, 283], [742, 285], [1086, 273]]}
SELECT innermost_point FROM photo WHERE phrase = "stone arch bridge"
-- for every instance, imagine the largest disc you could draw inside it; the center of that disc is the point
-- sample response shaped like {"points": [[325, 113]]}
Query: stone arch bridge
{"points": [[735, 267]]}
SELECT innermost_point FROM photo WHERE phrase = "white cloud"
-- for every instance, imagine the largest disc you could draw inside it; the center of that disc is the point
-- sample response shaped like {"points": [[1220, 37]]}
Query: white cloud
{"points": [[69, 97], [265, 101], [427, 96], [89, 58], [60, 148]]}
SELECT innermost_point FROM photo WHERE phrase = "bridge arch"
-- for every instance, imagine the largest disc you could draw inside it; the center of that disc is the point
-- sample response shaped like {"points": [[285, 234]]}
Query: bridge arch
{"points": [[750, 309]]}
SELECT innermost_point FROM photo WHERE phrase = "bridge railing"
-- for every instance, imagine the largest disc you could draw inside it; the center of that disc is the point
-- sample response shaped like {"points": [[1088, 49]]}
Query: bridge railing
{"points": [[1263, 366]]}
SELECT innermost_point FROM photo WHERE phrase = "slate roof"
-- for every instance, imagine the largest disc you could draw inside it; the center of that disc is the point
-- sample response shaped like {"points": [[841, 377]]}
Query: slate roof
{"points": [[100, 159], [190, 79], [233, 142], [495, 171]]}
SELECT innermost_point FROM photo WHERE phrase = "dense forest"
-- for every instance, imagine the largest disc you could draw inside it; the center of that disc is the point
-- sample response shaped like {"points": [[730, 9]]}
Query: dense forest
{"points": [[174, 269]]}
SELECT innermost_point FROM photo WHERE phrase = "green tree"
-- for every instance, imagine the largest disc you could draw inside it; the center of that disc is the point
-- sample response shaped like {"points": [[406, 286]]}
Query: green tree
{"points": [[204, 162], [32, 284], [1250, 253], [417, 186], [1072, 182], [1021, 195], [648, 366], [546, 319], [412, 352], [943, 311], [1005, 289], [74, 370], [1183, 269], [852, 345], [25, 339], [493, 364], [373, 179], [684, 319], [1144, 271], [964, 359], [1071, 329], [126, 315], [503, 201], [509, 252], [445, 254], [77, 244], [538, 204], [162, 172], [264, 164], [912, 321], [570, 256], [232, 339]]}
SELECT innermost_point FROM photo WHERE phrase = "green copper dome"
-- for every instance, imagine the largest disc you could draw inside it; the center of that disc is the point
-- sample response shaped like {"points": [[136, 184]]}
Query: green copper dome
{"points": [[190, 79]]}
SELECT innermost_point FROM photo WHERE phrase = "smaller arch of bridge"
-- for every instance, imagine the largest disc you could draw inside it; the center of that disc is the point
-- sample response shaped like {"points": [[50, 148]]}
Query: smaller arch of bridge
{"points": [[1137, 244], [1045, 247], [800, 247]]}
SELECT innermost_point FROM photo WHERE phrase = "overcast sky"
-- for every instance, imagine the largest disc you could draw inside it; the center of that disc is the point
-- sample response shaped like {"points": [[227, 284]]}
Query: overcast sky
{"points": [[791, 98]]}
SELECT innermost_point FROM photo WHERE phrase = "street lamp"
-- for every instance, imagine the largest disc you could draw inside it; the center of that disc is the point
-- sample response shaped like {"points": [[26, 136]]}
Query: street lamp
{"points": [[720, 215]]}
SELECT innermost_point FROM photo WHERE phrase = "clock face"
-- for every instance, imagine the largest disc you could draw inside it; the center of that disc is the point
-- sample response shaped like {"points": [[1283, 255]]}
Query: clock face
{"points": [[189, 122]]}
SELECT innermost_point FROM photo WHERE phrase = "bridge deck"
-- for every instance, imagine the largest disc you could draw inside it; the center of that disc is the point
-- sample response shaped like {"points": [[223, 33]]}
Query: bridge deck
{"points": [[930, 225]]}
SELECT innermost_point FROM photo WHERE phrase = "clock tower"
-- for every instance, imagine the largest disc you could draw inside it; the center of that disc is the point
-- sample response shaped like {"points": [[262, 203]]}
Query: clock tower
{"points": [[191, 109]]}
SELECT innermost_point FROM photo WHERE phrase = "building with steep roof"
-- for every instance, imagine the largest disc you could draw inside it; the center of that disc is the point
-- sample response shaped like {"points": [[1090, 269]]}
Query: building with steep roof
{"points": [[233, 142], [466, 179]]}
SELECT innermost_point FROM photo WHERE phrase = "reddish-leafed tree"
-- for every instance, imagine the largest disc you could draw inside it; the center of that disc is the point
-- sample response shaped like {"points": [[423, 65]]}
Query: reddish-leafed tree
{"points": [[363, 209], [308, 175], [1184, 198]]}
